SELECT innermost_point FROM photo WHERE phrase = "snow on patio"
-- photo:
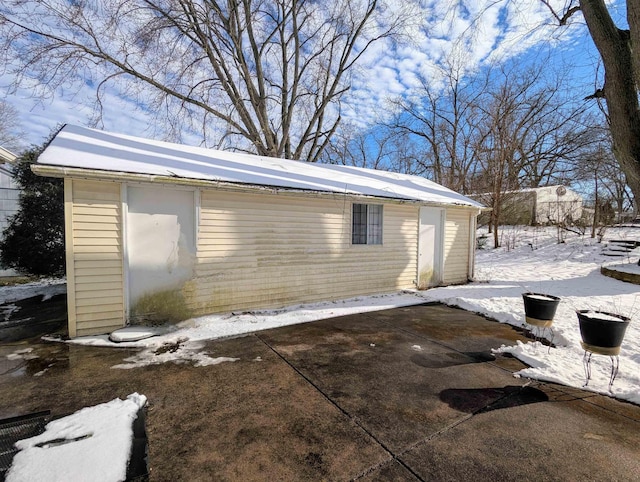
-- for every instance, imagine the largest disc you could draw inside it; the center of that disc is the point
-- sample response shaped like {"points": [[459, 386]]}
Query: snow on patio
{"points": [[183, 343], [92, 444]]}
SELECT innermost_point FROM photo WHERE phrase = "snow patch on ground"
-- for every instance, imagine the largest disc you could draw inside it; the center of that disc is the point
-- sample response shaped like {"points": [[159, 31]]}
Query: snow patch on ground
{"points": [[135, 333], [233, 324], [22, 354], [183, 345], [181, 351], [95, 440], [48, 288]]}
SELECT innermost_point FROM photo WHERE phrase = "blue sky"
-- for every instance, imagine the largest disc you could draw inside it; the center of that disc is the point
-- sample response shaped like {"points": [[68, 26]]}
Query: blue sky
{"points": [[476, 33]]}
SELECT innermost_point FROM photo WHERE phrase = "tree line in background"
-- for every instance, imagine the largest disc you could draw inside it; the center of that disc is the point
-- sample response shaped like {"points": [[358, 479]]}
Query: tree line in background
{"points": [[269, 76], [501, 130]]}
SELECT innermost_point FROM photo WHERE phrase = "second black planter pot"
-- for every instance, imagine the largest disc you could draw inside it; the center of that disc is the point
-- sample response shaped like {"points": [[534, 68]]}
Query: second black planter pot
{"points": [[539, 309], [602, 332]]}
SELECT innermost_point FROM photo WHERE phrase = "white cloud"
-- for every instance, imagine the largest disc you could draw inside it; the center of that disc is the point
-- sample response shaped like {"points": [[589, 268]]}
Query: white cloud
{"points": [[477, 33]]}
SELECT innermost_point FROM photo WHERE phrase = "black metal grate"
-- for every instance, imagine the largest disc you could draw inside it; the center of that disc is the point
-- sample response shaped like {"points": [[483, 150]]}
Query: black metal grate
{"points": [[18, 428], [138, 468]]}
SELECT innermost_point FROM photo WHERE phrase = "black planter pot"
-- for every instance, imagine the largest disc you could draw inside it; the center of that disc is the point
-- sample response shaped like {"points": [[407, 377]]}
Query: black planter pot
{"points": [[539, 309], [602, 332]]}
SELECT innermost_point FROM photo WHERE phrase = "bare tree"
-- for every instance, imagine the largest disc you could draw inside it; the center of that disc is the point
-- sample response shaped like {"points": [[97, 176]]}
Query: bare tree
{"points": [[616, 187], [593, 170], [378, 148], [620, 52], [445, 119], [354, 147], [10, 130], [494, 131], [605, 181], [529, 133], [269, 73]]}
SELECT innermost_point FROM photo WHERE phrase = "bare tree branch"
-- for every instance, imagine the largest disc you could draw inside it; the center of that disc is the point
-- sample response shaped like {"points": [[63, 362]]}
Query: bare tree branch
{"points": [[598, 94], [10, 129], [569, 11], [266, 76]]}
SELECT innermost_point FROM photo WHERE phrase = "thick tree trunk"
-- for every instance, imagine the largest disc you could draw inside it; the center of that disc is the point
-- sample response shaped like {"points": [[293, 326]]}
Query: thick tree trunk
{"points": [[620, 92], [596, 206], [495, 220], [633, 19]]}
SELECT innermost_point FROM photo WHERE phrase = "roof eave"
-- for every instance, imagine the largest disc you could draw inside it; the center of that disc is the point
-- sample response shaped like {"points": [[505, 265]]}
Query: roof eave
{"points": [[7, 156], [48, 170]]}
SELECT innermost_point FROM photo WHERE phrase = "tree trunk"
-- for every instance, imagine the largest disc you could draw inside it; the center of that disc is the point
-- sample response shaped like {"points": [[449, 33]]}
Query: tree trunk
{"points": [[596, 204], [633, 19], [620, 92], [495, 220]]}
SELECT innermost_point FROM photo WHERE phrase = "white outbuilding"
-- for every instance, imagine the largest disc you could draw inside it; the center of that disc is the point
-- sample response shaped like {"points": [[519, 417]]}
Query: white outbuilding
{"points": [[9, 190], [540, 205]]}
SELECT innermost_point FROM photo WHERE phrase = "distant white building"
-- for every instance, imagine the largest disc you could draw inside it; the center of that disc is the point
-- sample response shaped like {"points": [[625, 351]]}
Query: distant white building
{"points": [[556, 204], [540, 205], [9, 190]]}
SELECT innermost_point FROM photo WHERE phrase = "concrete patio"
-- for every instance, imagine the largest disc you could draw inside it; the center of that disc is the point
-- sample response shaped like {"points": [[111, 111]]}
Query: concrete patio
{"points": [[405, 394]]}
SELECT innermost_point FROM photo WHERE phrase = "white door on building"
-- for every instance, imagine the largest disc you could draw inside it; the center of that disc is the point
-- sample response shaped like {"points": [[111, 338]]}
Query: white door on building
{"points": [[160, 236], [430, 244]]}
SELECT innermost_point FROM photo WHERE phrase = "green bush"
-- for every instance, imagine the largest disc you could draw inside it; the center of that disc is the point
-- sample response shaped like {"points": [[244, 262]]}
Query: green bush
{"points": [[33, 242]]}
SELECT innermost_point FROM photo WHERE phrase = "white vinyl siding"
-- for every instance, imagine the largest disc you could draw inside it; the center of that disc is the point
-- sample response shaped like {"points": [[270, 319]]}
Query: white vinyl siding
{"points": [[268, 250], [94, 256], [456, 246], [254, 251]]}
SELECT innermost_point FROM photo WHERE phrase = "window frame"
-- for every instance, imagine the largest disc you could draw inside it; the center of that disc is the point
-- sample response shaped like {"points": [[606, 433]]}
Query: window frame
{"points": [[367, 231]]}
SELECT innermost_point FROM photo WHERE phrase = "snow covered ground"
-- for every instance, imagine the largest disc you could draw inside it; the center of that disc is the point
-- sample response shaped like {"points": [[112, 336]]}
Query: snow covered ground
{"points": [[535, 261], [531, 260], [92, 444], [46, 287]]}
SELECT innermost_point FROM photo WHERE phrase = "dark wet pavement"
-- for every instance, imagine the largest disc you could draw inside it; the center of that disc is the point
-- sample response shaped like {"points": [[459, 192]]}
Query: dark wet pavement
{"points": [[405, 394], [30, 318]]}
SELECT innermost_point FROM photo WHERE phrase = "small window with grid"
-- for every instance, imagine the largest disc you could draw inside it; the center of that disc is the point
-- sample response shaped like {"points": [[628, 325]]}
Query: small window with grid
{"points": [[366, 224]]}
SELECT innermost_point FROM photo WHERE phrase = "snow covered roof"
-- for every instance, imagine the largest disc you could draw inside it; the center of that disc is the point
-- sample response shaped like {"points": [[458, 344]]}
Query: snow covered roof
{"points": [[83, 148]]}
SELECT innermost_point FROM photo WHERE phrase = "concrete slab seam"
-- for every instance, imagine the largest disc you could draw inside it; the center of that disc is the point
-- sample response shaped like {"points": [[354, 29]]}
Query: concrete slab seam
{"points": [[567, 390], [458, 422], [343, 411]]}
